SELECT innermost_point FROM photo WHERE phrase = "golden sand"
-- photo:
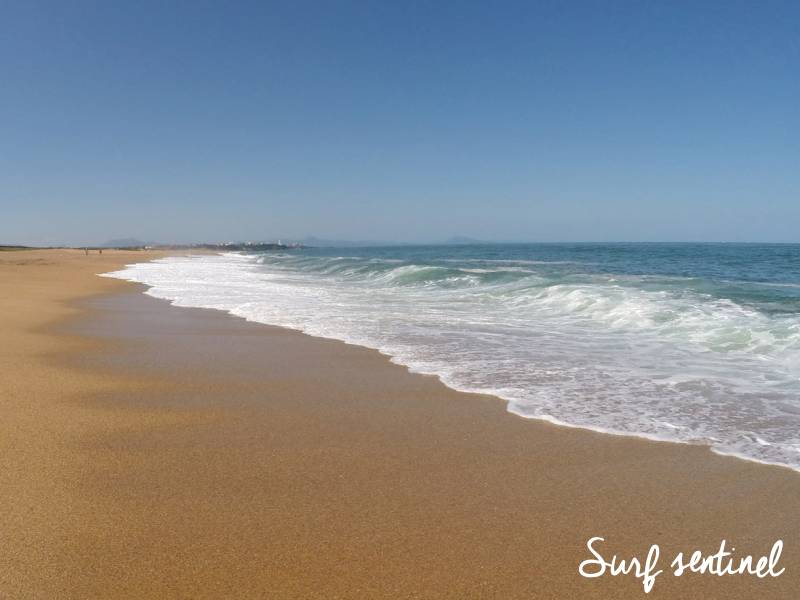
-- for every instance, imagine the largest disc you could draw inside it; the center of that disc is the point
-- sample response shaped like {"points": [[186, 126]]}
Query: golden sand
{"points": [[148, 451]]}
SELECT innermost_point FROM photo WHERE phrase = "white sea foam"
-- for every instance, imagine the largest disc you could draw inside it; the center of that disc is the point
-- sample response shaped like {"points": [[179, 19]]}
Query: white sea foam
{"points": [[621, 357]]}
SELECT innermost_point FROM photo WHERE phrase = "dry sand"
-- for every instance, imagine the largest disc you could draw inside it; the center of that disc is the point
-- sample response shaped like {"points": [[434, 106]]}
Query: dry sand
{"points": [[148, 451]]}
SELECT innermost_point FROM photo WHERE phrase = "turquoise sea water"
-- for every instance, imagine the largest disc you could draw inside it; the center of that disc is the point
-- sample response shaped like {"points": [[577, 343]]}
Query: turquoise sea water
{"points": [[686, 342]]}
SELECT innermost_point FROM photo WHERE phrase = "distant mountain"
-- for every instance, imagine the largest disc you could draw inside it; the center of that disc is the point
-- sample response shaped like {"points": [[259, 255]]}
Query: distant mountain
{"points": [[124, 243]]}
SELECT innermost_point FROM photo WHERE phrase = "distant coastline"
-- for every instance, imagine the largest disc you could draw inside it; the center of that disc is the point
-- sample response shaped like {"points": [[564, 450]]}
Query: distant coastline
{"points": [[228, 246]]}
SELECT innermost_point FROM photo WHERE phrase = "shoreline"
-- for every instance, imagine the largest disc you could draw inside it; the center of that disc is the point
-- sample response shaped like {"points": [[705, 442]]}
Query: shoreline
{"points": [[539, 419], [190, 452], [508, 402]]}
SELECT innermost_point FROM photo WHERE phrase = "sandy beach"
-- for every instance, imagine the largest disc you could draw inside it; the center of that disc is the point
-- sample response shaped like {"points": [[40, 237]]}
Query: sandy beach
{"points": [[149, 451]]}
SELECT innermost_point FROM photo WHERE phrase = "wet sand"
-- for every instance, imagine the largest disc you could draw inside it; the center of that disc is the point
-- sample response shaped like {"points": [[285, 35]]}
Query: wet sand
{"points": [[150, 451]]}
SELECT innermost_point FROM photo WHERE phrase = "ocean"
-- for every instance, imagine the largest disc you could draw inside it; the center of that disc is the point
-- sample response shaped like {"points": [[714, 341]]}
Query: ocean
{"points": [[693, 343]]}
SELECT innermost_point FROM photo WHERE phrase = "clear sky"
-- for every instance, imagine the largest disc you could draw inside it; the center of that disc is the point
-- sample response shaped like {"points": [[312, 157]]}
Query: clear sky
{"points": [[540, 121]]}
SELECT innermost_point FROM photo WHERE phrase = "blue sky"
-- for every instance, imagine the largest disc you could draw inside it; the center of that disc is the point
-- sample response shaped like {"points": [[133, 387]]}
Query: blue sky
{"points": [[416, 121]]}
